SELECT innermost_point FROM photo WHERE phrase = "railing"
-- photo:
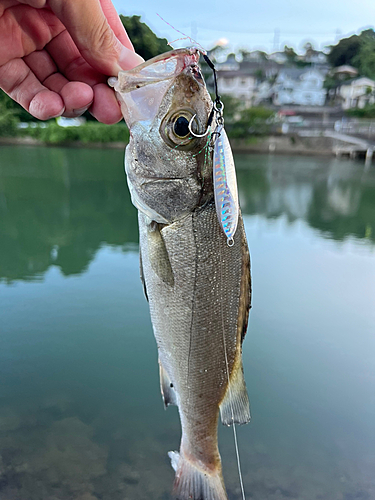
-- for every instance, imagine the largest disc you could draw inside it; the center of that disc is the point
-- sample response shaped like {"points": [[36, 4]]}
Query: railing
{"points": [[364, 129]]}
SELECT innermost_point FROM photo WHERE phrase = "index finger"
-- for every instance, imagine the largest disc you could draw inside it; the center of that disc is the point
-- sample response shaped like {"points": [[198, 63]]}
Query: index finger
{"points": [[115, 23], [93, 35]]}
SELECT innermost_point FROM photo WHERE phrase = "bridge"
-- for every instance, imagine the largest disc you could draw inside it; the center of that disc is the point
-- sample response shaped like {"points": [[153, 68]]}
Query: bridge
{"points": [[352, 146], [354, 138]]}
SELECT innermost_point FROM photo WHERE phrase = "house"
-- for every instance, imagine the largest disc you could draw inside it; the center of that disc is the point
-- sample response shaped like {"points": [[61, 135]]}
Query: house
{"points": [[304, 87], [314, 56], [345, 72], [239, 84], [356, 93], [242, 80]]}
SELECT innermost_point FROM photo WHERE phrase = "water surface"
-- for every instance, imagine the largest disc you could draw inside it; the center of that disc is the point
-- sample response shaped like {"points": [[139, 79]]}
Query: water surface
{"points": [[81, 415]]}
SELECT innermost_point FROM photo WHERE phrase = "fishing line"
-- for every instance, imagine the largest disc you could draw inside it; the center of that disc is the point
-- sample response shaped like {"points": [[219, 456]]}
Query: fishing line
{"points": [[185, 37], [218, 108], [229, 388]]}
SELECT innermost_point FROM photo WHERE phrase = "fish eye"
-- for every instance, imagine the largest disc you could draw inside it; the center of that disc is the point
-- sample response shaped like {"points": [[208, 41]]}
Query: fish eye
{"points": [[181, 127], [174, 129]]}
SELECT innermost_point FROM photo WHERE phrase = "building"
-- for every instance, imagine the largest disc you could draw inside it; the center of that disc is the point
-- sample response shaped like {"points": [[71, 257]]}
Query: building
{"points": [[239, 84], [242, 80], [345, 72], [356, 93], [304, 87]]}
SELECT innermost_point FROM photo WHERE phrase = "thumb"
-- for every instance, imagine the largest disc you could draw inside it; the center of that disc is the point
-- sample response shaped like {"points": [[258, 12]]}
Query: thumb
{"points": [[93, 36]]}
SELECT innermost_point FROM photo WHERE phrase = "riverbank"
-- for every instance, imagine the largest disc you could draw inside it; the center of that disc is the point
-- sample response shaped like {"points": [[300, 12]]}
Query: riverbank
{"points": [[277, 144], [30, 141]]}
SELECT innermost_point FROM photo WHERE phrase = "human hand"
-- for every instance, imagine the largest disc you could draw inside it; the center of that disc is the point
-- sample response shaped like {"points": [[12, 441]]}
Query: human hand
{"points": [[56, 56]]}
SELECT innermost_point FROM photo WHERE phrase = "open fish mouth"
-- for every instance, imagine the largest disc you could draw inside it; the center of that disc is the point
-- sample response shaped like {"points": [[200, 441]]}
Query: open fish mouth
{"points": [[141, 89], [159, 68]]}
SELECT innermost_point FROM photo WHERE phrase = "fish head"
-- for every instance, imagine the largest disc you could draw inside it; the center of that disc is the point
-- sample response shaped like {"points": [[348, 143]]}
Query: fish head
{"points": [[167, 166]]}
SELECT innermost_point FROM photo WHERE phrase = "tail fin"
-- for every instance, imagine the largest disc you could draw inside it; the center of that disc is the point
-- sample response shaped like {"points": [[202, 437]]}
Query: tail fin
{"points": [[193, 483]]}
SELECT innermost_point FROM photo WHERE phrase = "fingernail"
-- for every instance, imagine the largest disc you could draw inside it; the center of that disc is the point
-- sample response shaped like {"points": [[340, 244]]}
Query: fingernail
{"points": [[129, 59], [80, 111], [57, 115]]}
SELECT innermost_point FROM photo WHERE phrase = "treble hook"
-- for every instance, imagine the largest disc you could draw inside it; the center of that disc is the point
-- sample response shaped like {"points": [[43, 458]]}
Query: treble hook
{"points": [[198, 135]]}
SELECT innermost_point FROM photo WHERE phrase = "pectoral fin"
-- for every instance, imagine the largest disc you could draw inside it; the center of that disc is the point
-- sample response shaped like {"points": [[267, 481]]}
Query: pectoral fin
{"points": [[167, 390], [158, 254], [142, 276], [235, 400]]}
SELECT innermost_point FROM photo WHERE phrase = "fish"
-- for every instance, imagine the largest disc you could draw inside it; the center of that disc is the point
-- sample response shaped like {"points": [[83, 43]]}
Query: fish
{"points": [[197, 285]]}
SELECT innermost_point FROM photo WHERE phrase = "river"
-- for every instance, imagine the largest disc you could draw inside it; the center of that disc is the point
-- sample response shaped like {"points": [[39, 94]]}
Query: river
{"points": [[81, 416]]}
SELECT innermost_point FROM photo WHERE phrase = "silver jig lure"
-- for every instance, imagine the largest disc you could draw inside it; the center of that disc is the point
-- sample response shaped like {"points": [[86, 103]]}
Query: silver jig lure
{"points": [[224, 172], [225, 186]]}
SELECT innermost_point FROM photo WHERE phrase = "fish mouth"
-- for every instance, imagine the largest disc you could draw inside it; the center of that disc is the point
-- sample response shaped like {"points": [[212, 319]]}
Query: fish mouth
{"points": [[159, 68], [187, 57], [141, 90]]}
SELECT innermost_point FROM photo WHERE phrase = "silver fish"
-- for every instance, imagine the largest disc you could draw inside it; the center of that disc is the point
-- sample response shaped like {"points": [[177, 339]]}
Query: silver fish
{"points": [[198, 287]]}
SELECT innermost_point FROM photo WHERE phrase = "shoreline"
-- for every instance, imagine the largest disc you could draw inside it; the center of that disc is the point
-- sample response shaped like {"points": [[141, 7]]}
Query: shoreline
{"points": [[283, 145]]}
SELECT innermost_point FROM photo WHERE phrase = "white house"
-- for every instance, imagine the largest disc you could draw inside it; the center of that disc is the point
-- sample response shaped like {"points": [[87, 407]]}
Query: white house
{"points": [[303, 87], [242, 80], [345, 71], [356, 93], [239, 84]]}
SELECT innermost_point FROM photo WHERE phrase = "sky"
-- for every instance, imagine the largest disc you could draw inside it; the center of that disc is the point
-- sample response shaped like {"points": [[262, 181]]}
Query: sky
{"points": [[263, 24]]}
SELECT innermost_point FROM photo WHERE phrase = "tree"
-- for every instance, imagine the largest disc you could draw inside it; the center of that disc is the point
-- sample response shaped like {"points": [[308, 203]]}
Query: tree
{"points": [[345, 51], [365, 59], [10, 107], [145, 42], [290, 54], [357, 51]]}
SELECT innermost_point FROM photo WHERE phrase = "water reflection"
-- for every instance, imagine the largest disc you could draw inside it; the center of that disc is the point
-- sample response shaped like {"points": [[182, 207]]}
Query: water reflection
{"points": [[58, 206], [81, 417], [333, 196]]}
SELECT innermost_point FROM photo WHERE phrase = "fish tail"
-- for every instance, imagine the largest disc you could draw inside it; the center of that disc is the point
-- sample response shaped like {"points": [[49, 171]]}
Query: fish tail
{"points": [[194, 483]]}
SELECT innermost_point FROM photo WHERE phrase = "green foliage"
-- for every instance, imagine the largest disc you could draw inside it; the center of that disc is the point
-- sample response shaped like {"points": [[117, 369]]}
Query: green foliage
{"points": [[357, 51], [330, 82], [18, 112], [8, 123], [248, 122], [90, 132], [365, 59], [242, 122], [290, 54], [145, 42], [366, 112], [232, 108], [8, 118], [345, 51]]}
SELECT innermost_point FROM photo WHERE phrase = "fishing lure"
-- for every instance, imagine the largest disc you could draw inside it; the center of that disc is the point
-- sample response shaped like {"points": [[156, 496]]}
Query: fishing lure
{"points": [[224, 172], [225, 186]]}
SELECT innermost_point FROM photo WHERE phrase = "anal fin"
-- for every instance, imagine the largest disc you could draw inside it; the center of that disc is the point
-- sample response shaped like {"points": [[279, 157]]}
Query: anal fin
{"points": [[235, 405], [166, 386]]}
